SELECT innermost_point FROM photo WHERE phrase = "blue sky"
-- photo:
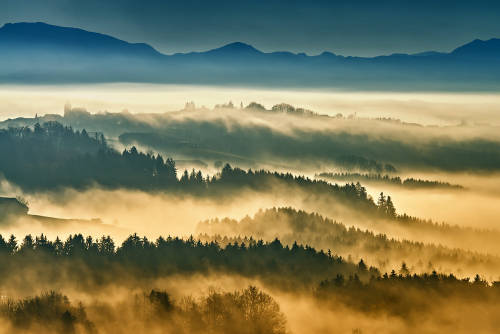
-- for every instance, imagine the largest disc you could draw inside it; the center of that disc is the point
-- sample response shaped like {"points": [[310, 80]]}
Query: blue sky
{"points": [[355, 27]]}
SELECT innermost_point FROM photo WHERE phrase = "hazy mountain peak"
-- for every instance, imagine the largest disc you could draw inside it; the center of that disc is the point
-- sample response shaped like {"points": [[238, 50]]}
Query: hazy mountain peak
{"points": [[38, 34], [35, 52], [480, 47], [236, 47]]}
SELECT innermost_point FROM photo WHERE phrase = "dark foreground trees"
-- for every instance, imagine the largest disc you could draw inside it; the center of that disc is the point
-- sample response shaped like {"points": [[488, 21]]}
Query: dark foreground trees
{"points": [[247, 311], [410, 296], [48, 313], [97, 263], [98, 268]]}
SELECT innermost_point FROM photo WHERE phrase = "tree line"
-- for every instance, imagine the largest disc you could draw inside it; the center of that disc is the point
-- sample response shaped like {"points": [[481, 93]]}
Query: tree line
{"points": [[52, 156], [332, 281], [413, 297], [291, 225], [89, 260], [393, 180]]}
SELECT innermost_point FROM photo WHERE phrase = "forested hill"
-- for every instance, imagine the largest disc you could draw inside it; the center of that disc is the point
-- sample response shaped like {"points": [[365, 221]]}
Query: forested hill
{"points": [[253, 137], [292, 226], [410, 183], [222, 134], [51, 156], [97, 262]]}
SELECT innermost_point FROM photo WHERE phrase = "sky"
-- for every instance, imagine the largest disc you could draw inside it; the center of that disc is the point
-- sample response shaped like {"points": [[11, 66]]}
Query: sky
{"points": [[355, 27]]}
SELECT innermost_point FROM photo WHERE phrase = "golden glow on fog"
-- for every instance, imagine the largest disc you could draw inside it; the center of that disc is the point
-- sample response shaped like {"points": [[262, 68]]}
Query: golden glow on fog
{"points": [[425, 108]]}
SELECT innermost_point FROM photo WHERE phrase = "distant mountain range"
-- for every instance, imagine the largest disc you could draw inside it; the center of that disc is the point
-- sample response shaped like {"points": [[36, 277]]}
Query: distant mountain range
{"points": [[39, 53]]}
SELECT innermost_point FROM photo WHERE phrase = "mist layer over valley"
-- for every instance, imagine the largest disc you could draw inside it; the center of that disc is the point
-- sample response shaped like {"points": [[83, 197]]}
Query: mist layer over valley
{"points": [[252, 214], [250, 167], [376, 134]]}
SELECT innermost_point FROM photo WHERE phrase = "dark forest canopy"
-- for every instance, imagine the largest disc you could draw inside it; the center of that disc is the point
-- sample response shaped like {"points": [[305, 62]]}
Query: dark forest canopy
{"points": [[97, 263], [290, 225], [414, 297], [173, 255], [52, 156], [411, 183]]}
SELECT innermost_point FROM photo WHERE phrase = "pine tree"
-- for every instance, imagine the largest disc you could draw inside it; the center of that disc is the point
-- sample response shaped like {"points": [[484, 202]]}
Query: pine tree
{"points": [[404, 269], [381, 202], [390, 210]]}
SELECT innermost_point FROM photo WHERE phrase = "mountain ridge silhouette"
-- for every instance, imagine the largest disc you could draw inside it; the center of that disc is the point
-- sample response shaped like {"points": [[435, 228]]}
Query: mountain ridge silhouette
{"points": [[42, 53]]}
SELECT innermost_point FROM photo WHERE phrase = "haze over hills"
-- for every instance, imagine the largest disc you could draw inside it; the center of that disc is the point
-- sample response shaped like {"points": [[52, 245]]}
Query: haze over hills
{"points": [[275, 138], [246, 166], [43, 53]]}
